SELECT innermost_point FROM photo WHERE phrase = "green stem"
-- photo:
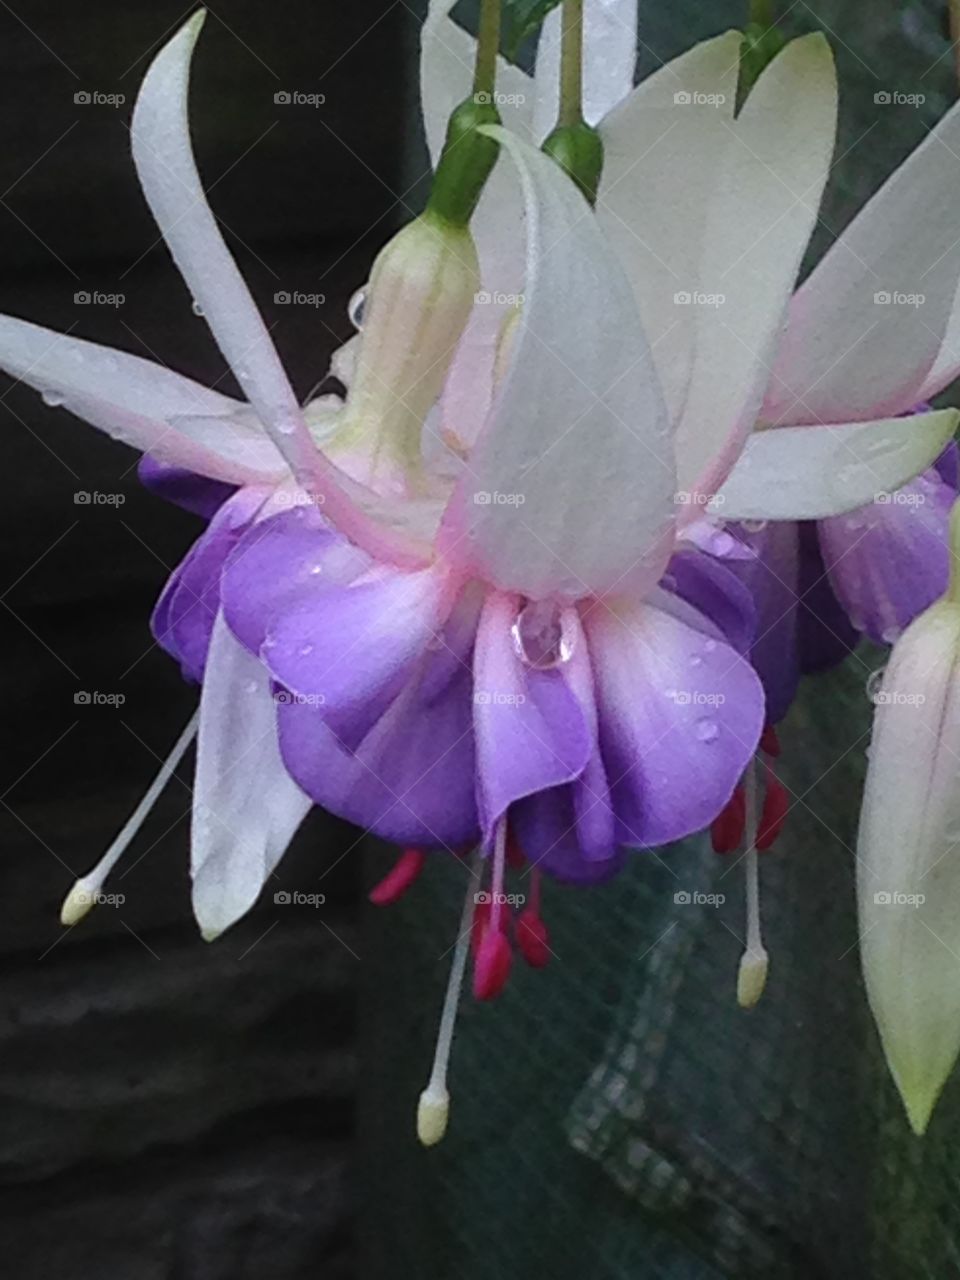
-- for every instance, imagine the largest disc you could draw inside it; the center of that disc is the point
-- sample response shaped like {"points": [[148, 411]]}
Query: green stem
{"points": [[571, 64], [488, 43], [761, 12]]}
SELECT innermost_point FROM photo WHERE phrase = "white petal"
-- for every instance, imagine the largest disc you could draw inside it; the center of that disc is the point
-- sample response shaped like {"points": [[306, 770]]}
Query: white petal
{"points": [[168, 175], [759, 221], [569, 489], [946, 367], [908, 858], [609, 61], [662, 156], [141, 403], [806, 473], [847, 356], [246, 806]]}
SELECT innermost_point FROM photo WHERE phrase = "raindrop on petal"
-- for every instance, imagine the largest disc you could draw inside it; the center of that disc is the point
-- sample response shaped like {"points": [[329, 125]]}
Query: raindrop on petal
{"points": [[875, 684], [356, 306], [538, 636], [52, 398], [707, 729], [196, 308]]}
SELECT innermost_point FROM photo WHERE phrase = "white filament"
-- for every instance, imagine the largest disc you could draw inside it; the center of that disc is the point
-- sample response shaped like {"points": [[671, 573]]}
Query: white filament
{"points": [[754, 963]]}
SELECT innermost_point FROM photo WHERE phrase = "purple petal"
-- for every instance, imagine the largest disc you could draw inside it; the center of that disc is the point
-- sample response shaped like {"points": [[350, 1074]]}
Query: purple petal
{"points": [[825, 635], [531, 730], [550, 834], [889, 561], [183, 619], [290, 556], [717, 593], [184, 488], [352, 648], [680, 716]]}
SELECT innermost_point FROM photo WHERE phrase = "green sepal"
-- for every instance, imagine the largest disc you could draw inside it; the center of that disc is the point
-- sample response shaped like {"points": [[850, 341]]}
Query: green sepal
{"points": [[465, 162], [758, 49], [578, 149]]}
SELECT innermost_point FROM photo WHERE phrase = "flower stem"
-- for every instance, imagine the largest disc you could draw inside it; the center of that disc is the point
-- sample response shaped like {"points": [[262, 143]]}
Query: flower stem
{"points": [[571, 64], [488, 44], [761, 12]]}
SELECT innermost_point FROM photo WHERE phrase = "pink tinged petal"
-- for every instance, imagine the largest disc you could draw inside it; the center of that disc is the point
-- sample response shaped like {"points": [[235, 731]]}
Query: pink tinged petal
{"points": [[908, 861], [759, 220], [349, 649], [848, 355], [578, 423], [662, 157], [246, 806], [171, 184], [805, 473], [140, 403], [609, 61], [531, 731], [680, 717], [446, 77]]}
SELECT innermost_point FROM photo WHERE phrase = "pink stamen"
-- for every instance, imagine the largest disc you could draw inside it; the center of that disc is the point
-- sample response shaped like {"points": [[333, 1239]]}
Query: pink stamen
{"points": [[397, 881], [769, 742], [776, 805], [491, 968], [727, 829]]}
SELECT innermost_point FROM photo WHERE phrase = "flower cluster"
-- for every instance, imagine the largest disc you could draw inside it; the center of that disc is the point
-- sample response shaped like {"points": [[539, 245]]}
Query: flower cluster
{"points": [[603, 482]]}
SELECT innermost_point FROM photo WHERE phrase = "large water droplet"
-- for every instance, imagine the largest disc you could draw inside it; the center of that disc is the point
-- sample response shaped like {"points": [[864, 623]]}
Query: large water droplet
{"points": [[538, 636], [356, 307], [753, 526], [707, 729], [196, 308], [875, 684], [52, 398]]}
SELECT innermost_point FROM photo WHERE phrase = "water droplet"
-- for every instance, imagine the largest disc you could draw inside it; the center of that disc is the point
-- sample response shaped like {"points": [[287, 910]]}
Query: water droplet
{"points": [[316, 569], [721, 543], [706, 730], [696, 661], [356, 307], [251, 686], [196, 308], [710, 646], [306, 650], [538, 636], [753, 526], [286, 426], [875, 684], [52, 398]]}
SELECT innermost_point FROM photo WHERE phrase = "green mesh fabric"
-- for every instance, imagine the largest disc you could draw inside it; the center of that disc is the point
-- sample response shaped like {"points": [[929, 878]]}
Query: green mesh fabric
{"points": [[617, 1116]]}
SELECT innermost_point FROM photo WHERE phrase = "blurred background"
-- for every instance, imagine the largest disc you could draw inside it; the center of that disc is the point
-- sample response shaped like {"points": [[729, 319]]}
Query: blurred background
{"points": [[176, 1111]]}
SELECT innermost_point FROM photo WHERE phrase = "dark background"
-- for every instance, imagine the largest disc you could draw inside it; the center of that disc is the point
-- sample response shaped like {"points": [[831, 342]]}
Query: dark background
{"points": [[167, 1108]]}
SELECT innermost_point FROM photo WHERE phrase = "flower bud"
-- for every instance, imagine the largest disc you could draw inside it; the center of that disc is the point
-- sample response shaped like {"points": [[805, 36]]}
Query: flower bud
{"points": [[578, 149], [908, 857], [418, 300]]}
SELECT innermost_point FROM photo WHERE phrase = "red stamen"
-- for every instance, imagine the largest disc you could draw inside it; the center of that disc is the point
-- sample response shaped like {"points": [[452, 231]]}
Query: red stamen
{"points": [[396, 882], [776, 803], [515, 855], [480, 923], [726, 833], [491, 965], [533, 939], [769, 742]]}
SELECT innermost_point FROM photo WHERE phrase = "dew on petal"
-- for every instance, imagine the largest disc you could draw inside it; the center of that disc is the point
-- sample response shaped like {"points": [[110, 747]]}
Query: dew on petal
{"points": [[306, 650], [706, 730], [196, 308], [356, 307], [52, 398], [753, 526], [538, 636], [875, 684]]}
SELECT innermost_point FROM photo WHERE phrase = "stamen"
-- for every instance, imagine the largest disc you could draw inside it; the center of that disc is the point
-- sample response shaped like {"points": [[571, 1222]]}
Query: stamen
{"points": [[532, 936], [493, 957], [776, 804], [754, 963], [396, 882], [433, 1110], [726, 831], [85, 892], [770, 742]]}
